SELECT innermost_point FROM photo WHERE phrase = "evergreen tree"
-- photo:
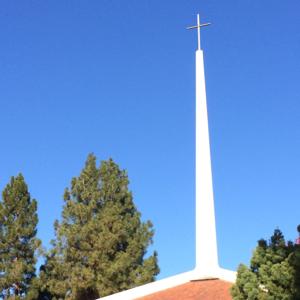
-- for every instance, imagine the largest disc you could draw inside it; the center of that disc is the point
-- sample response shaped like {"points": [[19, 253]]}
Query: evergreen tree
{"points": [[273, 273], [18, 242], [100, 242]]}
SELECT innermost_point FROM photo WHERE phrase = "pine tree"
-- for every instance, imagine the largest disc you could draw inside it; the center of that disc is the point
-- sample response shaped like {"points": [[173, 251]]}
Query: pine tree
{"points": [[273, 271], [101, 241], [18, 242]]}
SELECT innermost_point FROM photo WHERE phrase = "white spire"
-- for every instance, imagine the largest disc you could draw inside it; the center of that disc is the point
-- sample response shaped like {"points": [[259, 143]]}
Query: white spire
{"points": [[207, 265], [206, 240]]}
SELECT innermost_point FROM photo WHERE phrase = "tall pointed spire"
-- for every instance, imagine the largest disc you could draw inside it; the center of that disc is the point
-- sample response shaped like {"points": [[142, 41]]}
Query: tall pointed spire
{"points": [[207, 265], [206, 240]]}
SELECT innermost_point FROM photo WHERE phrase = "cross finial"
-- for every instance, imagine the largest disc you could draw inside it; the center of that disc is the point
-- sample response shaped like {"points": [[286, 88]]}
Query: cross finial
{"points": [[198, 26]]}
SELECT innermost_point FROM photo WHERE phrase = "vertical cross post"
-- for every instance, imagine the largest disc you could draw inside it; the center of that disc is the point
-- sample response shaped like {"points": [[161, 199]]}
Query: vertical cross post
{"points": [[198, 29]]}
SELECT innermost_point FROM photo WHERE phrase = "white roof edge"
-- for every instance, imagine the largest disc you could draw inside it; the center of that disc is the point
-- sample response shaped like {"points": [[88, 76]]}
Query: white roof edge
{"points": [[152, 287], [163, 284]]}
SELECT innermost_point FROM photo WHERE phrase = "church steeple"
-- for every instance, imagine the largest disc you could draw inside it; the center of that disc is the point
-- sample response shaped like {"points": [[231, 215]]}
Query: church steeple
{"points": [[206, 240], [207, 266]]}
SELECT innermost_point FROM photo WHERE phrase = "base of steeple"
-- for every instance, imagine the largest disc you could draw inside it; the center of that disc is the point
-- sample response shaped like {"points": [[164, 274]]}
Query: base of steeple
{"points": [[216, 273]]}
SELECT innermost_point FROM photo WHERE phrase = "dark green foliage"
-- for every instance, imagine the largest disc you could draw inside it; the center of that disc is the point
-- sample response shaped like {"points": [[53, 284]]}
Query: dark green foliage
{"points": [[18, 242], [100, 242], [273, 273]]}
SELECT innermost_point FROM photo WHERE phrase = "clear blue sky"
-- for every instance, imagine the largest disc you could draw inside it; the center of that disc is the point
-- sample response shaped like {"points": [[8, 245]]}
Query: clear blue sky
{"points": [[117, 78]]}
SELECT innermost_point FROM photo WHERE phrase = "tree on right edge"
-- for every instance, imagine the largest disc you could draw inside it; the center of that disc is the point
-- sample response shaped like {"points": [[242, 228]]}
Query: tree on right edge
{"points": [[274, 271]]}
